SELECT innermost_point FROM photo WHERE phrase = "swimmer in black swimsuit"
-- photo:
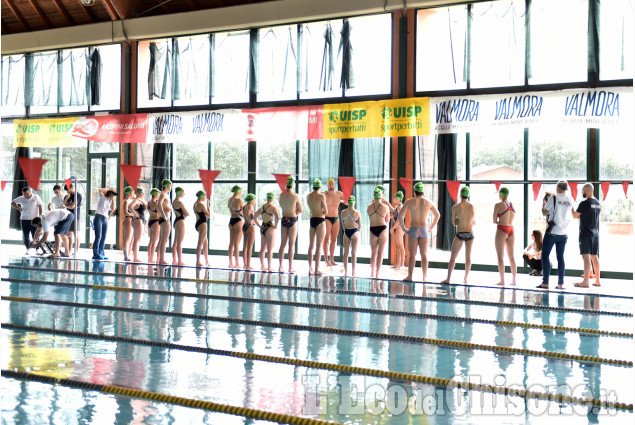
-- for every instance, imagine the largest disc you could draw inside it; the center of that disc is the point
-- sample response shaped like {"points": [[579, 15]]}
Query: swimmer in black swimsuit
{"points": [[235, 206], [139, 206], [269, 214], [290, 207], [249, 230], [153, 224], [179, 227], [397, 232], [350, 221], [202, 213], [378, 214], [128, 215], [164, 208], [318, 207]]}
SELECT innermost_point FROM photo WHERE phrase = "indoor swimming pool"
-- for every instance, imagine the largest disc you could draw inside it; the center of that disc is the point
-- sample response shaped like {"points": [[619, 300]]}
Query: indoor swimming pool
{"points": [[76, 334]]}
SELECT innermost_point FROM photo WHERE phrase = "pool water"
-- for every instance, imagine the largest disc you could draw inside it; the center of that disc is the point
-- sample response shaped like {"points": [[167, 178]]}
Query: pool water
{"points": [[252, 313]]}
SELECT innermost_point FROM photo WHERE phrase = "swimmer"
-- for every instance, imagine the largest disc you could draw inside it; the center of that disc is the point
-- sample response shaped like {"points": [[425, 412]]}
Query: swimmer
{"points": [[138, 223], [153, 224], [397, 232], [249, 230], [504, 214], [235, 206], [202, 213], [270, 219], [379, 215], [291, 207], [463, 218], [164, 208], [317, 231], [350, 220], [128, 215], [180, 213], [333, 200]]}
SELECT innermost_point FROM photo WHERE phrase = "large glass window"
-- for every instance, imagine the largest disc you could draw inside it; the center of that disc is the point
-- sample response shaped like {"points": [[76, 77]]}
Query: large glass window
{"points": [[557, 152], [498, 44], [189, 159], [275, 157], [426, 164], [231, 67], [110, 81], [558, 41], [190, 70], [154, 82], [319, 63], [441, 47], [277, 76], [616, 39], [231, 159], [13, 85], [497, 154]]}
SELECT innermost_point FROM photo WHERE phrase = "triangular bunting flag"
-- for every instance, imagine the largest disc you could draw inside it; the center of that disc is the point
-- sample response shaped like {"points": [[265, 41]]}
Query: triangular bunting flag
{"points": [[625, 187], [406, 183], [574, 190], [347, 183], [281, 179], [536, 187], [3, 184], [68, 183], [605, 189], [498, 185], [32, 169], [453, 188], [132, 174], [207, 178]]}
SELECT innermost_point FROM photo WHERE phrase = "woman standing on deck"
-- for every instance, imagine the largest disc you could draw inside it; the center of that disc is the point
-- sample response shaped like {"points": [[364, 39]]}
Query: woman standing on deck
{"points": [[249, 230], [397, 232], [350, 223], [153, 224], [138, 223], [504, 214], [128, 215], [180, 213], [164, 208], [201, 211], [270, 220], [235, 206]]}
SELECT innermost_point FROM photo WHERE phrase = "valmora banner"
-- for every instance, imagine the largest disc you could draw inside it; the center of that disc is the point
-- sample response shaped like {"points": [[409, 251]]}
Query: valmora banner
{"points": [[585, 108], [43, 133], [129, 128], [384, 118], [224, 125]]}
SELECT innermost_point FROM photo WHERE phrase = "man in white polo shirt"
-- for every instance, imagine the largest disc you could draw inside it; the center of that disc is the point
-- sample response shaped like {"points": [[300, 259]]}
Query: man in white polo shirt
{"points": [[30, 206], [60, 220]]}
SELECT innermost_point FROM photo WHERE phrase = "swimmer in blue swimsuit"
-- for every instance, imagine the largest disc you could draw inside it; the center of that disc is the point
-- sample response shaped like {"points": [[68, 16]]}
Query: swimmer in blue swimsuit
{"points": [[350, 222]]}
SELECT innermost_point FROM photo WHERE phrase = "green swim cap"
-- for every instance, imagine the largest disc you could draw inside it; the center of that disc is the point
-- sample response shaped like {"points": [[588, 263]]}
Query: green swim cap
{"points": [[465, 192], [166, 183], [504, 191], [399, 195], [200, 194], [128, 189], [378, 193], [178, 190], [154, 191], [250, 198], [380, 187], [351, 201], [236, 189], [139, 190], [270, 196], [317, 184], [290, 181], [418, 187]]}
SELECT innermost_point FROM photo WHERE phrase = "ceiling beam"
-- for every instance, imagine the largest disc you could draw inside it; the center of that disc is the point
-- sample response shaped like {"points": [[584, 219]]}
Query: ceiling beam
{"points": [[164, 5], [41, 14], [3, 27], [192, 5], [88, 13], [18, 15], [111, 10], [63, 11], [127, 9]]}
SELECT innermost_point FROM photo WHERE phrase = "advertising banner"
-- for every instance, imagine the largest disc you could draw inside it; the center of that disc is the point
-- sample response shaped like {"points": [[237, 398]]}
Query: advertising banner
{"points": [[223, 125], [43, 133], [130, 128]]}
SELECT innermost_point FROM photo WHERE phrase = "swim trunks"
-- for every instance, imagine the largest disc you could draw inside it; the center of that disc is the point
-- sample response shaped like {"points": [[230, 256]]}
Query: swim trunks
{"points": [[351, 232], [316, 221], [418, 232], [288, 221], [332, 219], [507, 229], [376, 230], [465, 236]]}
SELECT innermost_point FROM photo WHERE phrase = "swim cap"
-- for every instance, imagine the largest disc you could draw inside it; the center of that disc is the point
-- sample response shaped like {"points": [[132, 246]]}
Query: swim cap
{"points": [[290, 181], [200, 194], [504, 191], [465, 192], [377, 194], [139, 190], [351, 201], [127, 190], [270, 196], [418, 187], [380, 187], [166, 183], [250, 198], [236, 189], [154, 191], [330, 180], [399, 195], [178, 190], [317, 184]]}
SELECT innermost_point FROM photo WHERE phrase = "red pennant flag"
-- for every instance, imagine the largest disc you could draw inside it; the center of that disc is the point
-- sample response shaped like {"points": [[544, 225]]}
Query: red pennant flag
{"points": [[281, 179], [536, 187], [574, 190], [32, 169], [68, 183], [625, 187], [605, 189], [132, 174], [406, 183], [3, 184], [498, 185], [207, 178], [347, 183], [453, 188]]}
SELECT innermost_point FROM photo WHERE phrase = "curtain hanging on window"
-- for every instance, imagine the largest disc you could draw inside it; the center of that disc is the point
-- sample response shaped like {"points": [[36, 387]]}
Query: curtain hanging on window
{"points": [[161, 164], [593, 34], [346, 49], [303, 60], [176, 67], [446, 152], [13, 80], [94, 77], [41, 80], [290, 51], [159, 70], [368, 170], [324, 159], [72, 90], [254, 68], [328, 63], [19, 181]]}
